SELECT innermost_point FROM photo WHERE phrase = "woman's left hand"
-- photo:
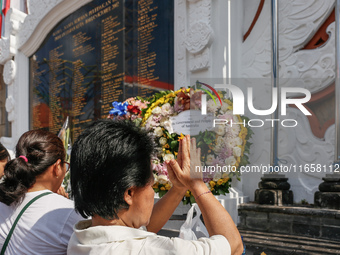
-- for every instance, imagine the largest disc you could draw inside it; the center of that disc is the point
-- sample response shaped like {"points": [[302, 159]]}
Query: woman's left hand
{"points": [[173, 178], [61, 191]]}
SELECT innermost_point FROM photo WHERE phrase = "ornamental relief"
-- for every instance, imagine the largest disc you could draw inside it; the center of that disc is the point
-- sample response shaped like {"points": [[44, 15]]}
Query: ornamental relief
{"points": [[199, 35], [4, 49], [312, 69], [10, 108], [9, 72], [180, 52]]}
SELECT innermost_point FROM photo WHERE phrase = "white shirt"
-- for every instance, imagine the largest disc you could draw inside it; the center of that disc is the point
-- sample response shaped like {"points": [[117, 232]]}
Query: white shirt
{"points": [[44, 228], [122, 240]]}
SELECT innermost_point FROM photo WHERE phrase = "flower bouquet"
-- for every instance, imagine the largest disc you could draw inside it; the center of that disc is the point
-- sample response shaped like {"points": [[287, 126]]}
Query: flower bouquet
{"points": [[169, 115], [64, 135]]}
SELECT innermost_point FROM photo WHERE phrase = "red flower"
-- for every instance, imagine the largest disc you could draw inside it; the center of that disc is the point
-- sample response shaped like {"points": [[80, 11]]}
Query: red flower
{"points": [[184, 99], [133, 109]]}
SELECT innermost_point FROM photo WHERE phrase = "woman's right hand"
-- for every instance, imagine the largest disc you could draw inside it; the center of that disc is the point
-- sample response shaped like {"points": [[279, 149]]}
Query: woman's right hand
{"points": [[188, 169]]}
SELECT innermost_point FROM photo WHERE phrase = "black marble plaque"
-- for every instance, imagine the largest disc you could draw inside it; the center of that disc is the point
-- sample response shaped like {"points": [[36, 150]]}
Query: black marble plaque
{"points": [[106, 51]]}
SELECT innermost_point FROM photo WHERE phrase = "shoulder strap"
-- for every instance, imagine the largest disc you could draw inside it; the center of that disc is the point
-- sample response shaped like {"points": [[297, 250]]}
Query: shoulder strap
{"points": [[17, 219]]}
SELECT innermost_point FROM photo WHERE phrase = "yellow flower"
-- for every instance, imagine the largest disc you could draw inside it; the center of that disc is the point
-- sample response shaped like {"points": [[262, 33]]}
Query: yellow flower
{"points": [[161, 100], [263, 253], [228, 101], [162, 188], [187, 194], [212, 184], [181, 137], [155, 186], [220, 182], [225, 180], [167, 186], [166, 146], [170, 95], [168, 152]]}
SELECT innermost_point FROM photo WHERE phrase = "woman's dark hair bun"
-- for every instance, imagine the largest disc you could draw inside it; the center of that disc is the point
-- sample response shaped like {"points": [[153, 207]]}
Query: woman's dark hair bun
{"points": [[42, 149]]}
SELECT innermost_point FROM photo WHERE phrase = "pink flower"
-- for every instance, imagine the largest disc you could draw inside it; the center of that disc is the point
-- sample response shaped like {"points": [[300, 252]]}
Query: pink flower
{"points": [[160, 168], [195, 100]]}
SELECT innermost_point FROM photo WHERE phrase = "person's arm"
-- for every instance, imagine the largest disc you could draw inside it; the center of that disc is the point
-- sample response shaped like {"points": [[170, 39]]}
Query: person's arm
{"points": [[216, 218], [164, 208]]}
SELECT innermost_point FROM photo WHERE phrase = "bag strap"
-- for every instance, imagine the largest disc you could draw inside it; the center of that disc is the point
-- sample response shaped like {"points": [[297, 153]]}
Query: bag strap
{"points": [[17, 219]]}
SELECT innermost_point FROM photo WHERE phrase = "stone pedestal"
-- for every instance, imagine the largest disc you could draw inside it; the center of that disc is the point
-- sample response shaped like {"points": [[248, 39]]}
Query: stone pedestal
{"points": [[274, 190], [328, 195]]}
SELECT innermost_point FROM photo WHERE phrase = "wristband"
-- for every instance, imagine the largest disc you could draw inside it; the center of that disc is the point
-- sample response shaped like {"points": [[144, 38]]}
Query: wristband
{"points": [[207, 192]]}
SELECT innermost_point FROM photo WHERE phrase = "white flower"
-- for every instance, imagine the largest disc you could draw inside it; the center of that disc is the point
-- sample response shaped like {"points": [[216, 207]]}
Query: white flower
{"points": [[237, 151], [234, 142], [157, 110], [210, 159], [224, 107], [233, 131], [162, 179], [158, 131], [167, 109], [217, 176], [168, 157], [231, 161], [220, 130], [163, 141], [238, 141], [155, 178], [166, 123], [220, 141], [212, 107]]}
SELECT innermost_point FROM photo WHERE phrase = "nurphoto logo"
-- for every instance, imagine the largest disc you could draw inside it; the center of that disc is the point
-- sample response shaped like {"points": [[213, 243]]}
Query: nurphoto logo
{"points": [[239, 105]]}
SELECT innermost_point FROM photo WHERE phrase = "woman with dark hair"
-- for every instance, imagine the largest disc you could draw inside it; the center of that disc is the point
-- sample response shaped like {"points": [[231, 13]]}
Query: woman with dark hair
{"points": [[34, 219], [112, 180], [4, 158]]}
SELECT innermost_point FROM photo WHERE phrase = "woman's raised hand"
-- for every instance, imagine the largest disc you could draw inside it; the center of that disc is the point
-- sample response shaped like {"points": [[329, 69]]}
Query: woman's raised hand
{"points": [[186, 169]]}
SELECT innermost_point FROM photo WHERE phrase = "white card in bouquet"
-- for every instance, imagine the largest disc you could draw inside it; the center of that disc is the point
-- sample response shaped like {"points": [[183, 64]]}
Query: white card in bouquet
{"points": [[191, 122]]}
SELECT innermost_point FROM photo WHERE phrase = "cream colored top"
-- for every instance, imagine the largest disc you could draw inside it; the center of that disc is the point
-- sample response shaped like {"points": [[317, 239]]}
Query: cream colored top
{"points": [[127, 241]]}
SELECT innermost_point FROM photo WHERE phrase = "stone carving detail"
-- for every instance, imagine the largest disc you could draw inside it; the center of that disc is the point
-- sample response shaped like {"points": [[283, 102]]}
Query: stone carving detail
{"points": [[4, 49], [198, 37], [314, 68], [8, 43], [9, 72], [10, 108], [199, 61], [37, 10], [298, 146], [180, 49], [310, 69], [199, 34], [194, 35]]}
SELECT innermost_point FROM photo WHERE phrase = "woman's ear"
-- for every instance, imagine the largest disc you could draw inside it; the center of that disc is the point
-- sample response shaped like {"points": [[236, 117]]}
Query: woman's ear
{"points": [[129, 195], [57, 169]]}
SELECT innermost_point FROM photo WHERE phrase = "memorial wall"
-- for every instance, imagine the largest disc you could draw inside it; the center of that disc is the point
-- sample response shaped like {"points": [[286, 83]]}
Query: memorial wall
{"points": [[104, 52]]}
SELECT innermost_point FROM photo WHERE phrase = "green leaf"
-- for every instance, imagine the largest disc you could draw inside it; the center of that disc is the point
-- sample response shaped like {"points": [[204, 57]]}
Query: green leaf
{"points": [[221, 191], [209, 137], [162, 193], [192, 200], [174, 145]]}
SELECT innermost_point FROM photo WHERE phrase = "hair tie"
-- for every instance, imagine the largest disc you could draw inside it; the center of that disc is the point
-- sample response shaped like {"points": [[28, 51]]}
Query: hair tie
{"points": [[23, 157]]}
